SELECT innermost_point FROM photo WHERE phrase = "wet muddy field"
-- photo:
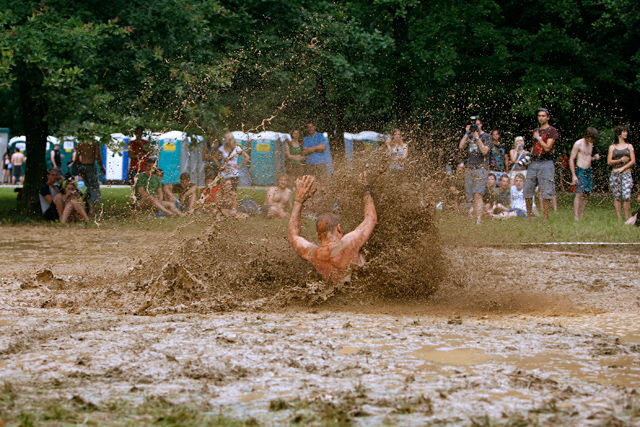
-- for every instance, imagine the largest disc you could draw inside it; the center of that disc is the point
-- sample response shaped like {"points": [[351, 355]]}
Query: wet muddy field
{"points": [[513, 336]]}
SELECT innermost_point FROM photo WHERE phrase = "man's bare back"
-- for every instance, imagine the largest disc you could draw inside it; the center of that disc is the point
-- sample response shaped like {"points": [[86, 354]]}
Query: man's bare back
{"points": [[17, 158], [88, 153], [337, 252]]}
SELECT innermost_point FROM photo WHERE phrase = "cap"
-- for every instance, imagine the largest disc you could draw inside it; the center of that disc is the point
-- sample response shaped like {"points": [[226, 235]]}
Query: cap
{"points": [[151, 160]]}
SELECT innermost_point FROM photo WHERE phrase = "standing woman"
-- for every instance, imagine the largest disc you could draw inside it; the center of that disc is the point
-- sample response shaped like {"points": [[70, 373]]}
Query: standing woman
{"points": [[295, 158], [6, 167], [517, 153], [397, 149], [226, 158], [622, 156]]}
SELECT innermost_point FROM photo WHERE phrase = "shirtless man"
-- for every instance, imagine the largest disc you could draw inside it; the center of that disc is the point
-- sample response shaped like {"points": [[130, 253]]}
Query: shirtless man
{"points": [[88, 154], [17, 160], [278, 198], [581, 172], [336, 252]]}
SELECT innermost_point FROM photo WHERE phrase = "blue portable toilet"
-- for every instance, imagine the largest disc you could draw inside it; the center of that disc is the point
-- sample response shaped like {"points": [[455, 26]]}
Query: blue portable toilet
{"points": [[191, 160], [348, 145], [242, 139], [267, 157], [67, 146], [115, 159], [169, 150], [366, 142]]}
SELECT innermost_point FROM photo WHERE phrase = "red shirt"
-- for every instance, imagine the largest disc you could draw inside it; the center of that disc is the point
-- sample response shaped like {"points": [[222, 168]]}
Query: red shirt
{"points": [[210, 194], [138, 153]]}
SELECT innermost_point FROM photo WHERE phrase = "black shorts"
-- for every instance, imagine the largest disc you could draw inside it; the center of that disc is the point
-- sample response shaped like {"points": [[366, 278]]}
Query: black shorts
{"points": [[17, 171], [51, 214]]}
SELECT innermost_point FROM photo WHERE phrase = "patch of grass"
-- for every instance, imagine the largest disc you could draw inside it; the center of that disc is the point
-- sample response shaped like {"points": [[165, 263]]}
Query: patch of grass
{"points": [[153, 411], [600, 224]]}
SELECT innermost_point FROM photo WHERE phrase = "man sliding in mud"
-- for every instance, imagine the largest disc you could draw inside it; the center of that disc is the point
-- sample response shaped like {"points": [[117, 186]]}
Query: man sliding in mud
{"points": [[336, 252]]}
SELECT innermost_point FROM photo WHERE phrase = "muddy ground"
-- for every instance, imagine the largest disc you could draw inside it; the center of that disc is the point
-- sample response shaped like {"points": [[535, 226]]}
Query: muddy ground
{"points": [[93, 329]]}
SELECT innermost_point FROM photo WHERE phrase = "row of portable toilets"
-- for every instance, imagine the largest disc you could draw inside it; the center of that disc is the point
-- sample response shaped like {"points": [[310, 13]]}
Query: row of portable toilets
{"points": [[178, 153]]}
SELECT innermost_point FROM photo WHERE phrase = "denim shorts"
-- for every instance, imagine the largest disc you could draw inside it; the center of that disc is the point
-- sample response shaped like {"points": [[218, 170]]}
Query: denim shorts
{"points": [[475, 182], [540, 174]]}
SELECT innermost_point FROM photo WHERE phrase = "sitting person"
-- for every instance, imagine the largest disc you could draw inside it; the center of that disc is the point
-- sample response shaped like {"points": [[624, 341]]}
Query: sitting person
{"points": [[277, 199], [148, 192], [208, 194], [74, 209], [185, 191], [51, 201], [488, 198], [518, 204], [227, 200], [454, 194], [502, 195]]}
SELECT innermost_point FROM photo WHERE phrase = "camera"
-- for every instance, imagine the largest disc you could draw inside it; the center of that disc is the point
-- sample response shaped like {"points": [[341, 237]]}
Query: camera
{"points": [[525, 161], [473, 128]]}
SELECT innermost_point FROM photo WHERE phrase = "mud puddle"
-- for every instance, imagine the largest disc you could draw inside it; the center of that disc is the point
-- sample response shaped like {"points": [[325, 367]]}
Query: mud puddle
{"points": [[556, 343]]}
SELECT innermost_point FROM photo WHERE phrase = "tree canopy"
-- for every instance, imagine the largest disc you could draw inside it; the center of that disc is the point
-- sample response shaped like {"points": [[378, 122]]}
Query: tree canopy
{"points": [[209, 65]]}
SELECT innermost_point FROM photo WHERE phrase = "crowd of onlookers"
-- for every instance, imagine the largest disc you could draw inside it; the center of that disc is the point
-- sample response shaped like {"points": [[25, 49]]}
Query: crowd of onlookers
{"points": [[493, 183]]}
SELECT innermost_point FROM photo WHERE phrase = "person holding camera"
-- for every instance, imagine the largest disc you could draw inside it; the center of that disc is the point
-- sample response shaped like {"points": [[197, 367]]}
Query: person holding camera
{"points": [[478, 146], [542, 169]]}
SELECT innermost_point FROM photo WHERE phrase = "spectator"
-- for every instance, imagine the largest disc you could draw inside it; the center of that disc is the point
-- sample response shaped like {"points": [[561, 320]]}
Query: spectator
{"points": [[489, 197], [478, 144], [148, 192], [315, 146], [581, 171], [186, 193], [295, 158], [541, 172], [278, 199], [73, 203], [16, 166], [516, 154], [622, 155], [208, 194], [227, 200], [208, 153], [502, 195], [499, 157], [56, 157], [138, 150], [51, 201], [226, 159], [518, 203], [6, 167], [88, 154], [397, 149]]}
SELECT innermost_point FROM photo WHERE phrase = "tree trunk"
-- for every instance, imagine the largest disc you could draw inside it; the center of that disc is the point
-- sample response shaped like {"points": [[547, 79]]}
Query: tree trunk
{"points": [[36, 132]]}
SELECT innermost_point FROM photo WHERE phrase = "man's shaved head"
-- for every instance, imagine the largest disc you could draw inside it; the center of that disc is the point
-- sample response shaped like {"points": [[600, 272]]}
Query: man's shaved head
{"points": [[327, 223]]}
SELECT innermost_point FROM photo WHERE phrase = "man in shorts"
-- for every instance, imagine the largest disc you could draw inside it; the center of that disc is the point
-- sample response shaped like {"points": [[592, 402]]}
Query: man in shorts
{"points": [[88, 154], [478, 145], [581, 171], [16, 172], [542, 170], [337, 251]]}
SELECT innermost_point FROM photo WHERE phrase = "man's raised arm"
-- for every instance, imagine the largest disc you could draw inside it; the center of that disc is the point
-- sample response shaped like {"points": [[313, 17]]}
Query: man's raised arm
{"points": [[358, 237], [301, 245]]}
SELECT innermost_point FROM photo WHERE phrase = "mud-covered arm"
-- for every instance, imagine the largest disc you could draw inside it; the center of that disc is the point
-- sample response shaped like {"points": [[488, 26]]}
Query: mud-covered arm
{"points": [[268, 199], [302, 246], [358, 237]]}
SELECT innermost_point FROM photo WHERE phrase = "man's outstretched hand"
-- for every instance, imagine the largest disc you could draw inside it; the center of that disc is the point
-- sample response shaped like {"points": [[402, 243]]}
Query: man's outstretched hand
{"points": [[304, 187]]}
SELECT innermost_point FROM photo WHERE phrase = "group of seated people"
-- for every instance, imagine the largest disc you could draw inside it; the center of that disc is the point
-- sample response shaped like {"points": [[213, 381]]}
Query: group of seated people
{"points": [[186, 197], [61, 199], [502, 200]]}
